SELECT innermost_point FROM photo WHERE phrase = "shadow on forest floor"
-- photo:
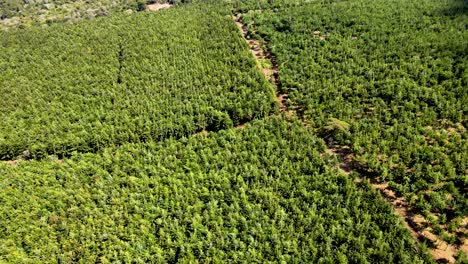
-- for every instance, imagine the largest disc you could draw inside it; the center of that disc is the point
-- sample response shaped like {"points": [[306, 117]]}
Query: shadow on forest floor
{"points": [[456, 8]]}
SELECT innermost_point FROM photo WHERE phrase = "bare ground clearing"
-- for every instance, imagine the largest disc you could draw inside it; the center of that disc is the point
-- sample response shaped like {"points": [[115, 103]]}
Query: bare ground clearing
{"points": [[156, 6]]}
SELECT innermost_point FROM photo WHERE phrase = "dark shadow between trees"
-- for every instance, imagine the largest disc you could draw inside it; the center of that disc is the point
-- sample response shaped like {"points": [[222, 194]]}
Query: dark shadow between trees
{"points": [[456, 8]]}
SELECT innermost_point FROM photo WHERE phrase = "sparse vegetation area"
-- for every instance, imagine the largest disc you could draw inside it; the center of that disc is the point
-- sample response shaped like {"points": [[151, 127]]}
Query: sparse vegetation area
{"points": [[26, 13]]}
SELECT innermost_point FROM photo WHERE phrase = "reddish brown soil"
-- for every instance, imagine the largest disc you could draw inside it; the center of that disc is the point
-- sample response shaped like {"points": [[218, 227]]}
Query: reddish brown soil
{"points": [[11, 162]]}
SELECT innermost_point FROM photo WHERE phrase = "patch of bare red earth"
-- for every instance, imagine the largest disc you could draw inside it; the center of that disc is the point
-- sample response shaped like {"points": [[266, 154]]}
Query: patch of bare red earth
{"points": [[11, 162], [157, 7]]}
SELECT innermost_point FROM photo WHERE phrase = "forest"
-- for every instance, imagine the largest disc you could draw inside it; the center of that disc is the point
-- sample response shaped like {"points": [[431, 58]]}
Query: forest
{"points": [[125, 79], [128, 135], [259, 194], [397, 75]]}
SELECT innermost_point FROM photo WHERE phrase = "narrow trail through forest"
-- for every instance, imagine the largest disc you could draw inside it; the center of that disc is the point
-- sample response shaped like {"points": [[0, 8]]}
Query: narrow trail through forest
{"points": [[262, 54], [441, 251]]}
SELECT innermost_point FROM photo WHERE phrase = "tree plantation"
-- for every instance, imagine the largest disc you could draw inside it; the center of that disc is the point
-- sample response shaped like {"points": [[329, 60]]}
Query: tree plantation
{"points": [[234, 131], [126, 79], [396, 73], [259, 194]]}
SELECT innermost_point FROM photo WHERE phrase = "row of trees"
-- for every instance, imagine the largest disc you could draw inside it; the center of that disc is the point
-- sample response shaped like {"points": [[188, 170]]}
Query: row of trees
{"points": [[396, 73], [259, 194]]}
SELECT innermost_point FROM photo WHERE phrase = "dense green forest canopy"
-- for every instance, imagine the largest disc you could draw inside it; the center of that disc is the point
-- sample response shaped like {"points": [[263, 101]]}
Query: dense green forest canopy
{"points": [[125, 79], [103, 118], [396, 72], [259, 194]]}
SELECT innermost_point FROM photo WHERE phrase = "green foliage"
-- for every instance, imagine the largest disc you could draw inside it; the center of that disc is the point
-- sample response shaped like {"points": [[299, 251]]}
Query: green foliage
{"points": [[121, 97], [259, 194], [336, 129], [138, 78], [336, 124], [461, 257], [397, 72]]}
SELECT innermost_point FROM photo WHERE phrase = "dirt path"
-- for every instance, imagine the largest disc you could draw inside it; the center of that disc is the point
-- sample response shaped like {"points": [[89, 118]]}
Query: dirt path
{"points": [[440, 250], [267, 64], [156, 6], [419, 227], [416, 223]]}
